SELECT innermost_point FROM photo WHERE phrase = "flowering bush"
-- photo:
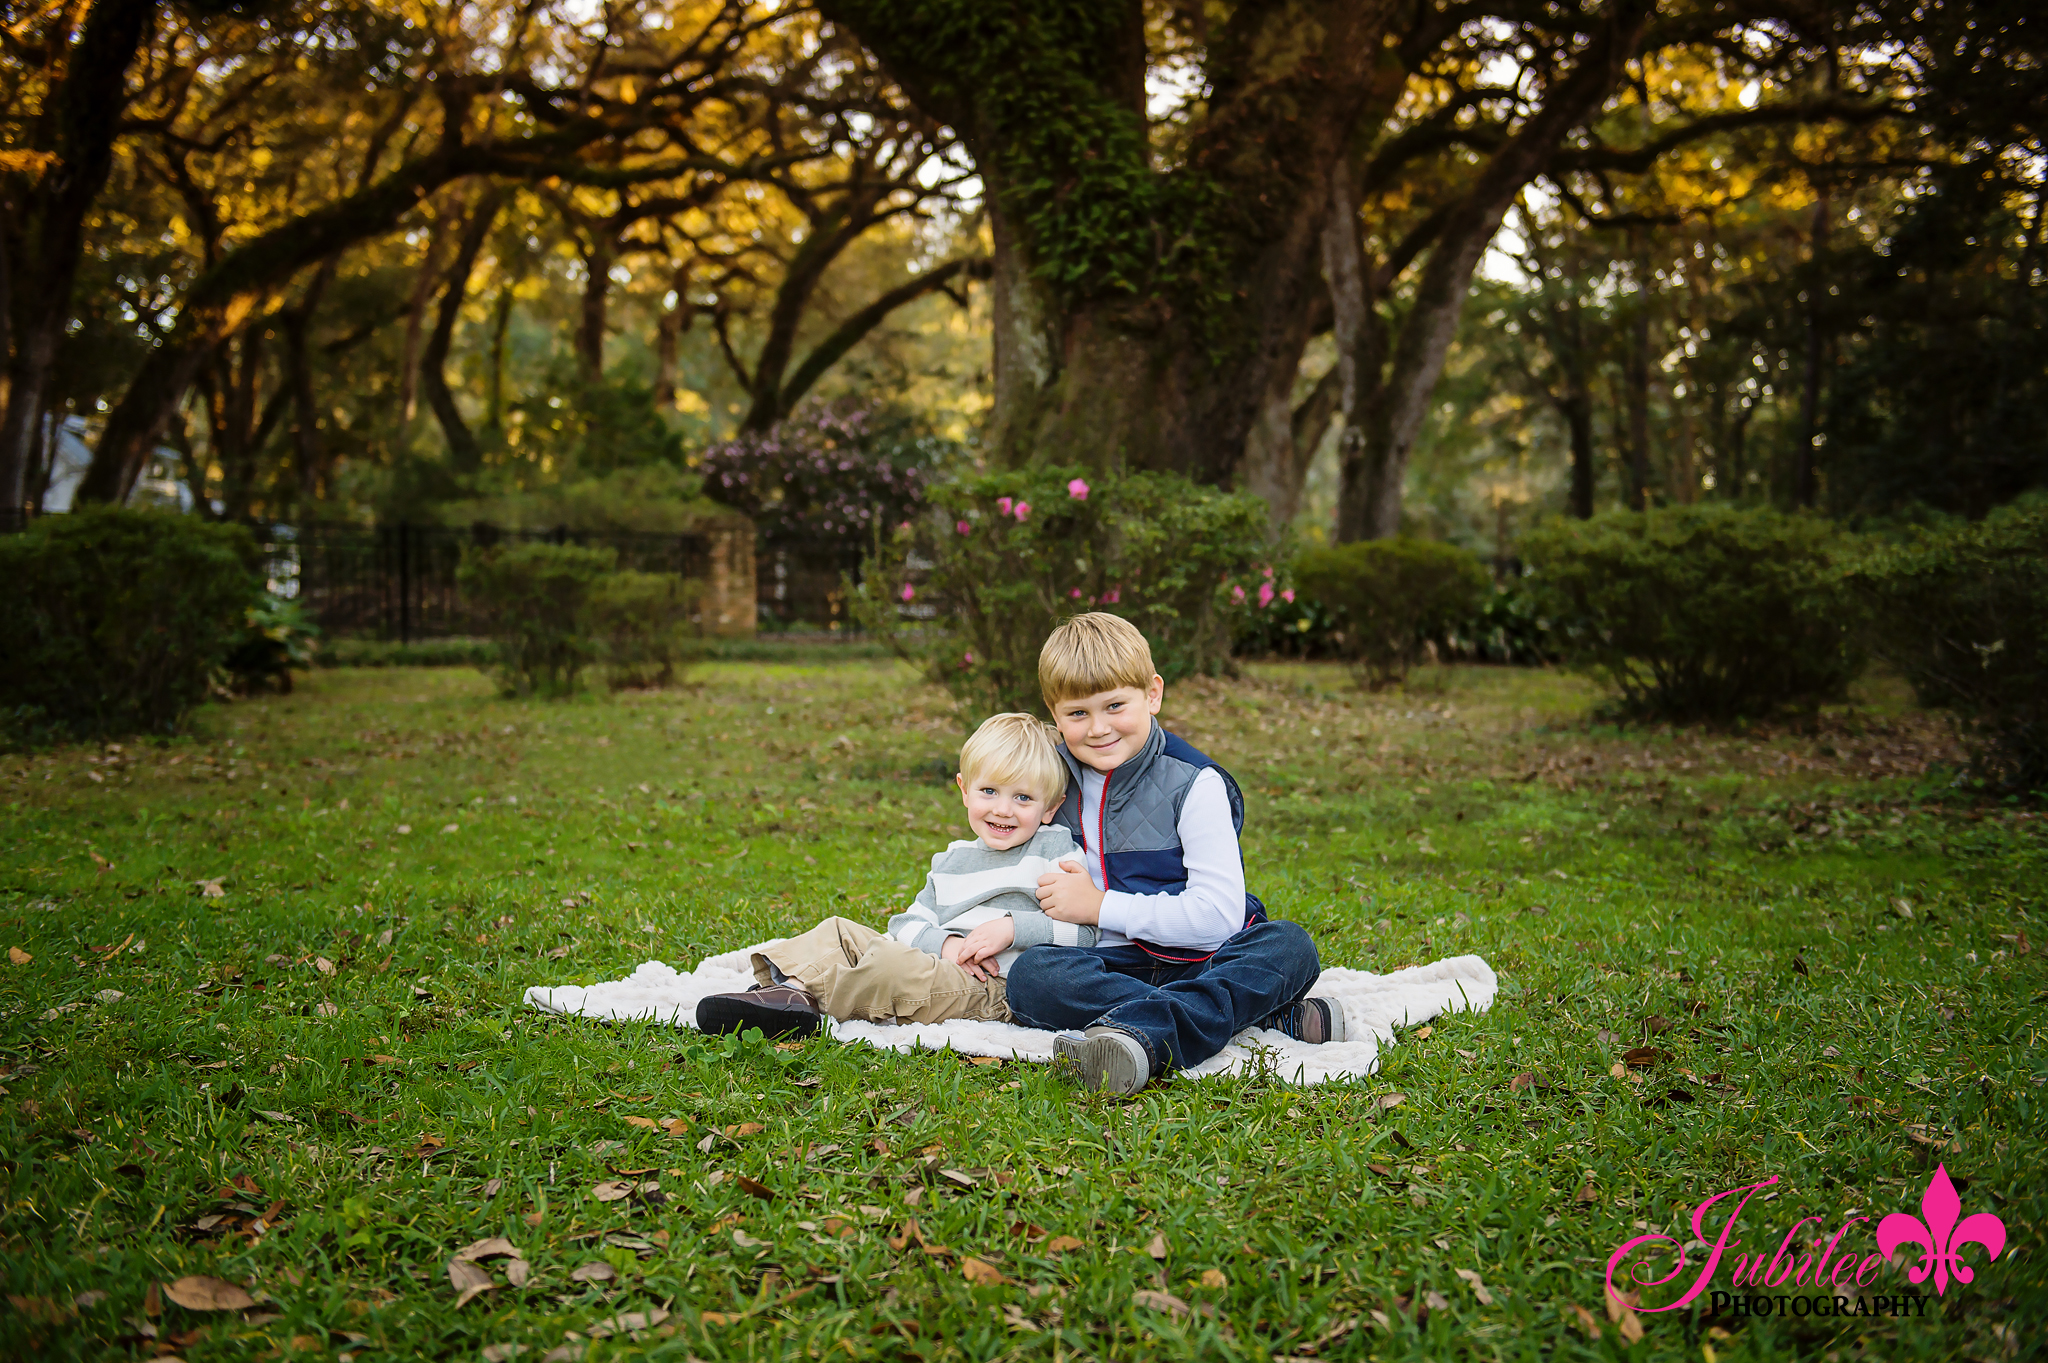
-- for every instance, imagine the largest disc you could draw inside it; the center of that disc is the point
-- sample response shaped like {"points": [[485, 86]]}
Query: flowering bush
{"points": [[1009, 556], [831, 474]]}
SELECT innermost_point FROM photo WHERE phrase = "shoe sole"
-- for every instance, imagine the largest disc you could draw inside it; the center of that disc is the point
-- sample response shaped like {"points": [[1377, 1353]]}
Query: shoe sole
{"points": [[717, 1016], [1104, 1064]]}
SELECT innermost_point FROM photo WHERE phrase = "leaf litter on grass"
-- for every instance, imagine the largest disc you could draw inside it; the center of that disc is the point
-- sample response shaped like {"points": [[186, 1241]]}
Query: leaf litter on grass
{"points": [[1210, 1170]]}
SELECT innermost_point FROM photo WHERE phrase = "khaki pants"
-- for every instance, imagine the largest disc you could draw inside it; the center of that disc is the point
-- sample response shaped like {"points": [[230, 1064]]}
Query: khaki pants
{"points": [[859, 974]]}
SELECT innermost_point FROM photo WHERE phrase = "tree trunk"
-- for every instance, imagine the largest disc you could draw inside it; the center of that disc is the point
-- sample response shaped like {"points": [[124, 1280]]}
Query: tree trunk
{"points": [[668, 336], [501, 323], [1806, 477], [465, 455], [1636, 386], [1577, 411], [307, 460], [1370, 491], [597, 287], [85, 112]]}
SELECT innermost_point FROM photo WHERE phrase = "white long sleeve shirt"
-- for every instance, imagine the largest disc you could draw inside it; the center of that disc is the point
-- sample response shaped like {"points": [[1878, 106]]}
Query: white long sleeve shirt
{"points": [[1209, 910]]}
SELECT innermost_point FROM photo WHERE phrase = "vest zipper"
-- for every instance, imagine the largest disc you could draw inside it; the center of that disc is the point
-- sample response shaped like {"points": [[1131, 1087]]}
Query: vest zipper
{"points": [[1102, 831]]}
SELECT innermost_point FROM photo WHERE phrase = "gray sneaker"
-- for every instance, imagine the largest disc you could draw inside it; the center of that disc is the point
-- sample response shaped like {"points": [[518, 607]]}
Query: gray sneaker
{"points": [[1311, 1020], [1108, 1059]]}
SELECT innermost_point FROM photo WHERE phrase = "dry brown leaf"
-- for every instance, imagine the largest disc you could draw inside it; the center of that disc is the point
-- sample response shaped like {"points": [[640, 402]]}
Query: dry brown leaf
{"points": [[675, 1126], [1215, 1277], [1586, 1320], [1525, 1079], [744, 1129], [496, 1247], [755, 1188], [1478, 1287], [517, 1272], [1160, 1301], [645, 1123], [746, 1241], [1060, 1244], [717, 1317], [613, 1190], [468, 1280], [596, 1271], [975, 1271], [1392, 1100], [208, 1294], [1157, 1249], [1642, 1057], [1621, 1310], [18, 956], [1586, 1193], [323, 965], [1436, 1301], [1424, 1033]]}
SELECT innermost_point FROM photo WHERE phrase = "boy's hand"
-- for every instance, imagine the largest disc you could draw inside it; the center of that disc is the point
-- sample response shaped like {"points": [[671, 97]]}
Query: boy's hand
{"points": [[951, 951], [980, 946], [1069, 896]]}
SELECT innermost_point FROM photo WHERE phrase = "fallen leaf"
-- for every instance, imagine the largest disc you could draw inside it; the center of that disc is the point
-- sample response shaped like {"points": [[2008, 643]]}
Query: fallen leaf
{"points": [[210, 889], [717, 1317], [1587, 1322], [675, 1126], [1392, 1100], [468, 1280], [959, 1178], [627, 1322], [709, 1141], [613, 1190], [1215, 1277], [1060, 1244], [1157, 1249], [1424, 1033], [1618, 1070], [1526, 1079], [1160, 1301], [755, 1188], [323, 965], [1642, 1057], [596, 1271], [496, 1247], [517, 1272], [18, 956], [1655, 1025], [208, 1294], [975, 1271], [1478, 1287], [644, 1123], [1586, 1194], [493, 1353], [746, 1241], [744, 1129], [491, 1187], [1436, 1301]]}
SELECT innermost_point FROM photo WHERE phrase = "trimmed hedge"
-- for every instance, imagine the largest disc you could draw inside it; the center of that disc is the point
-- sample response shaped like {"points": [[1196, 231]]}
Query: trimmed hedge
{"points": [[1390, 598], [115, 620], [1964, 615], [1702, 612]]}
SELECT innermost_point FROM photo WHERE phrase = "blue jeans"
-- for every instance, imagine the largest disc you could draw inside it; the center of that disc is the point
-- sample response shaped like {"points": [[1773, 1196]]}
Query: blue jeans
{"points": [[1183, 1014]]}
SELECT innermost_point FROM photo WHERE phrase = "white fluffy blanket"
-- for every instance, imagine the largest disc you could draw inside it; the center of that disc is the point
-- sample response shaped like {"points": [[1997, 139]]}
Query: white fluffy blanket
{"points": [[1373, 1006]]}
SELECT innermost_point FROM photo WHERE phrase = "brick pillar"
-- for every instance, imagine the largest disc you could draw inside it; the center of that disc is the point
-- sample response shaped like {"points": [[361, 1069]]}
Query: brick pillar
{"points": [[729, 609]]}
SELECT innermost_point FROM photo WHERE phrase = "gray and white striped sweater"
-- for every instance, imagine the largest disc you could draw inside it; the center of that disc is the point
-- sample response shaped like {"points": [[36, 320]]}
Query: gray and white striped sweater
{"points": [[970, 885]]}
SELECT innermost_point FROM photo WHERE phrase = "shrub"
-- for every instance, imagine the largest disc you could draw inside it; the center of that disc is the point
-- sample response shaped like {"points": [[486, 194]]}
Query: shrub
{"points": [[1964, 615], [481, 654], [642, 623], [1391, 598], [1701, 612], [1507, 628], [831, 474], [1005, 558], [536, 597], [276, 637], [114, 620]]}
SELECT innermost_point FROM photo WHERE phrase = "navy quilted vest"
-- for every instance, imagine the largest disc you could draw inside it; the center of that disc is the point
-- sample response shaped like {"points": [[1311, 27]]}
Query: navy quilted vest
{"points": [[1137, 830]]}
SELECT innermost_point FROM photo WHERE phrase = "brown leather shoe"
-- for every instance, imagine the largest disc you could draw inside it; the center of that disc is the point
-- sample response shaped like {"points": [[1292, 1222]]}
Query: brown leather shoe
{"points": [[777, 1009]]}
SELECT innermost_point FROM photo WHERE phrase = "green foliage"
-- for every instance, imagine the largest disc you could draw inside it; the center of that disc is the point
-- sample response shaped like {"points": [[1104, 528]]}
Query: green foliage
{"points": [[1963, 614], [451, 652], [1507, 628], [654, 499], [644, 626], [1701, 612], [595, 427], [537, 597], [1009, 556], [115, 620], [1392, 598], [276, 637]]}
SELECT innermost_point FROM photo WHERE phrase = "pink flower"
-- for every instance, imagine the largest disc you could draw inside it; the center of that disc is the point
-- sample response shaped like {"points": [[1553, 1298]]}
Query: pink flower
{"points": [[1237, 596], [963, 527], [1265, 595], [1023, 510], [1288, 596], [967, 662], [1109, 598], [1078, 490], [1003, 505], [1076, 593], [909, 593], [1269, 571]]}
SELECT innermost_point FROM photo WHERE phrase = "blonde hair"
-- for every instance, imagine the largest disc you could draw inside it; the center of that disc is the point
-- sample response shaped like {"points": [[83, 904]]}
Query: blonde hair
{"points": [[1015, 750], [1093, 653]]}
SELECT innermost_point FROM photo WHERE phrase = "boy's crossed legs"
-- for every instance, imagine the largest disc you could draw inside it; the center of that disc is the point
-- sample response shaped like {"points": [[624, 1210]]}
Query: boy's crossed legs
{"points": [[851, 971], [1180, 1015]]}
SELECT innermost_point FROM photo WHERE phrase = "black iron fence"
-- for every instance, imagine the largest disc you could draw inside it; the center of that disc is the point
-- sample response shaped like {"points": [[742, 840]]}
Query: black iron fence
{"points": [[399, 581], [804, 587]]}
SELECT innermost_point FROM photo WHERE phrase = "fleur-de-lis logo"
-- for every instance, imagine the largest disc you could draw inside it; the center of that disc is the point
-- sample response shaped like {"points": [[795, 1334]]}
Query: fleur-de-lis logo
{"points": [[1940, 1234]]}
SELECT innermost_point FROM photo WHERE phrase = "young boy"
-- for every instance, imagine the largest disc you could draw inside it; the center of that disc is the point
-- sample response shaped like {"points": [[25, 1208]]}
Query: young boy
{"points": [[1186, 959], [944, 956]]}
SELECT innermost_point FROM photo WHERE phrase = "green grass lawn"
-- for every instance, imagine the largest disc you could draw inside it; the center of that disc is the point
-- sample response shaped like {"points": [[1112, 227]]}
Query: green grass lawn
{"points": [[271, 1033]]}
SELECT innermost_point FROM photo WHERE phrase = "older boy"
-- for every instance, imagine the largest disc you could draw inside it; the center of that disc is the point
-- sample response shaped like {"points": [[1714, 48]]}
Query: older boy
{"points": [[1187, 959], [944, 956]]}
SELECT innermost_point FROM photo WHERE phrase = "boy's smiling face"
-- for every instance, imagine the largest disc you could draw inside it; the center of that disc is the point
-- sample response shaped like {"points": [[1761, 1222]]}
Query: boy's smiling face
{"points": [[1003, 815], [1109, 728]]}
